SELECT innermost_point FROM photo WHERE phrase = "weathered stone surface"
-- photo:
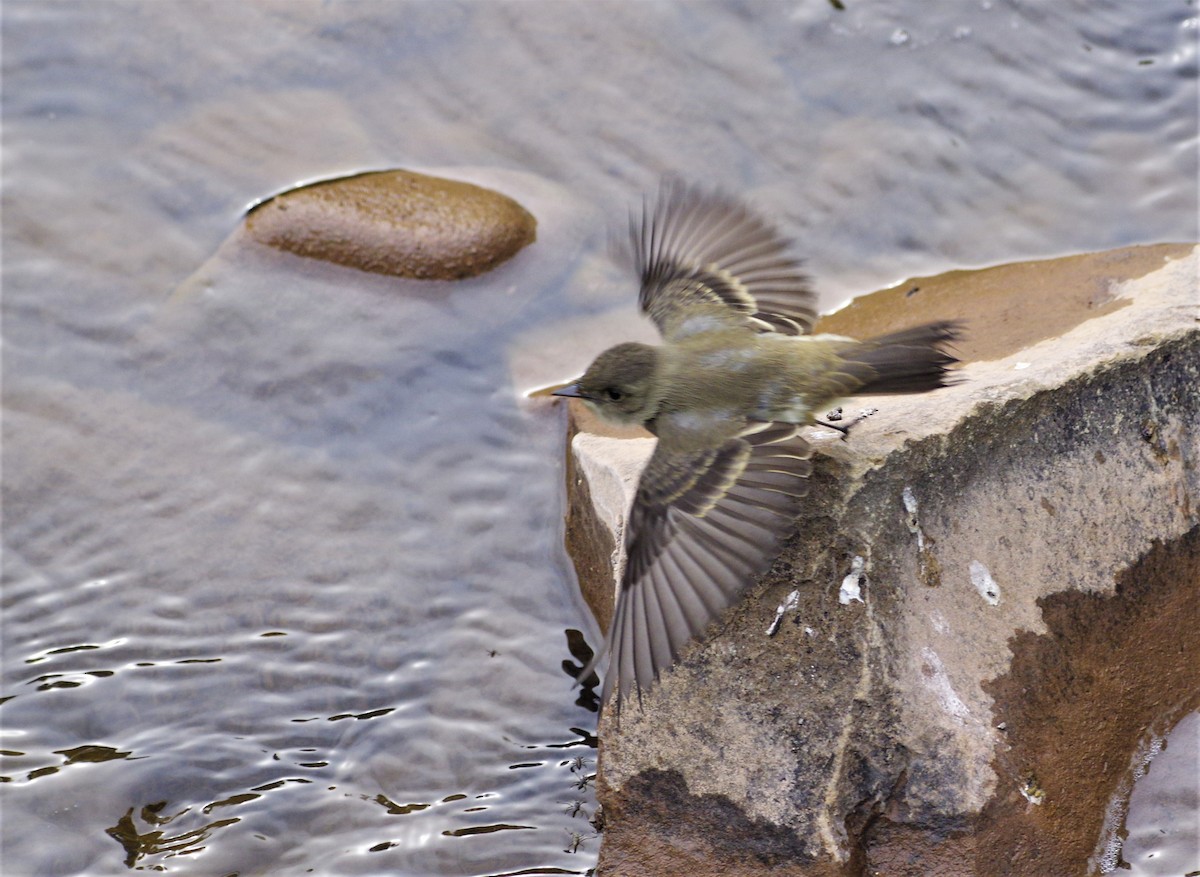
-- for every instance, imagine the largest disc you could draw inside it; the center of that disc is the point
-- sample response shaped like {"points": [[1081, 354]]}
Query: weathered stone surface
{"points": [[1009, 307], [1031, 548], [396, 222]]}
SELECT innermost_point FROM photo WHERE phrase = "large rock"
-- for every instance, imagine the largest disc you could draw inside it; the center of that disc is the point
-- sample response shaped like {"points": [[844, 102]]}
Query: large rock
{"points": [[1030, 553]]}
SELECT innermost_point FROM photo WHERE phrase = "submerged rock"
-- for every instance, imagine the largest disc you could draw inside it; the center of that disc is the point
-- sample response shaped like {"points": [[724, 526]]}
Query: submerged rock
{"points": [[1026, 547], [396, 222]]}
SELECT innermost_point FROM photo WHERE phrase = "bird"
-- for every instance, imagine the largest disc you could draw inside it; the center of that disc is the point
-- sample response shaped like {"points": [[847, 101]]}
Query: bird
{"points": [[738, 377]]}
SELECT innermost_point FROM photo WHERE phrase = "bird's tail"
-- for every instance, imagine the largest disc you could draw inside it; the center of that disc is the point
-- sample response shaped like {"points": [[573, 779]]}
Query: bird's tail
{"points": [[909, 361]]}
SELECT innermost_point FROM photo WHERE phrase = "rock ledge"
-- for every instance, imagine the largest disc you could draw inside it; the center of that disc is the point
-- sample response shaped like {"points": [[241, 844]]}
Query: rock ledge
{"points": [[1029, 546]]}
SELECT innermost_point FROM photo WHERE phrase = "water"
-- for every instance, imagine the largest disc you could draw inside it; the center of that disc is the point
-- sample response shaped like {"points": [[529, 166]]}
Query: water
{"points": [[1160, 831], [283, 583], [288, 576]]}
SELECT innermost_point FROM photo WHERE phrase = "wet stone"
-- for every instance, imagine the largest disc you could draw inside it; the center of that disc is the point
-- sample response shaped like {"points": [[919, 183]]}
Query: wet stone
{"points": [[396, 222]]}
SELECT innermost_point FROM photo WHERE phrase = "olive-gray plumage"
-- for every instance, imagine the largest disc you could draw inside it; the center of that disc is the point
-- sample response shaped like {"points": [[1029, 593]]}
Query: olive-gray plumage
{"points": [[727, 394]]}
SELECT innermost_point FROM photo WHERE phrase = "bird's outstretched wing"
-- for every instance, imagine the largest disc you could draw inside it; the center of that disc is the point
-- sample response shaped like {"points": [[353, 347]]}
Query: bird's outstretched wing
{"points": [[703, 256], [703, 524]]}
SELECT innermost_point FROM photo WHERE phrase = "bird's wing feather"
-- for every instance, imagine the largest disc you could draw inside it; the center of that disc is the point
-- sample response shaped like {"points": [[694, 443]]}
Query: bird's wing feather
{"points": [[704, 258], [702, 525]]}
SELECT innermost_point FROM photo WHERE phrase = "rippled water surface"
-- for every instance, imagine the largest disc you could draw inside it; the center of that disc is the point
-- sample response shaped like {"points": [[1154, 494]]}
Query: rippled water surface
{"points": [[284, 589], [1161, 836]]}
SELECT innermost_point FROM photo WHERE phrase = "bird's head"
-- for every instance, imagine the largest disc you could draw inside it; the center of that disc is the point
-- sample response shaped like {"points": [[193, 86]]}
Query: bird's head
{"points": [[619, 385]]}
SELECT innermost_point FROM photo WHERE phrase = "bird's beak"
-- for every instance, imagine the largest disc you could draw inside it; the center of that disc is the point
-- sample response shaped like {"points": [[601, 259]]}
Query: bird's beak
{"points": [[571, 390]]}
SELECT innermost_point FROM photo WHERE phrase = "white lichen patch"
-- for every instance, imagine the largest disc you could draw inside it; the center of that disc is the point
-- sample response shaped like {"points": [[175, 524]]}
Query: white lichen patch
{"points": [[929, 569], [1032, 791], [982, 579], [938, 682], [852, 584], [914, 524], [790, 602]]}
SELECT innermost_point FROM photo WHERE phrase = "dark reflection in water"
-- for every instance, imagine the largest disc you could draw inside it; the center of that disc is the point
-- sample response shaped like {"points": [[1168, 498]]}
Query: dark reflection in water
{"points": [[283, 586]]}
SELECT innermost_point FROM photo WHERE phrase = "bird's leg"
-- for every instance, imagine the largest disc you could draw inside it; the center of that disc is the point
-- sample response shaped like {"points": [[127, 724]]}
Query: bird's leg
{"points": [[844, 430]]}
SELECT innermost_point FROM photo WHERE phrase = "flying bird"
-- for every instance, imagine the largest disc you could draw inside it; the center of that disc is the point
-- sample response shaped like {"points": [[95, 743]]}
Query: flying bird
{"points": [[737, 377]]}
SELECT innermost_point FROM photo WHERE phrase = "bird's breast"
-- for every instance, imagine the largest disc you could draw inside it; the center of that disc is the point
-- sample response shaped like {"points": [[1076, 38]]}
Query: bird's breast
{"points": [[749, 377], [726, 378]]}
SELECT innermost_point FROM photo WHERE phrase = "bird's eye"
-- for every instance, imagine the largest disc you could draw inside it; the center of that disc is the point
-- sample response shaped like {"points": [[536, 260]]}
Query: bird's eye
{"points": [[612, 394]]}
